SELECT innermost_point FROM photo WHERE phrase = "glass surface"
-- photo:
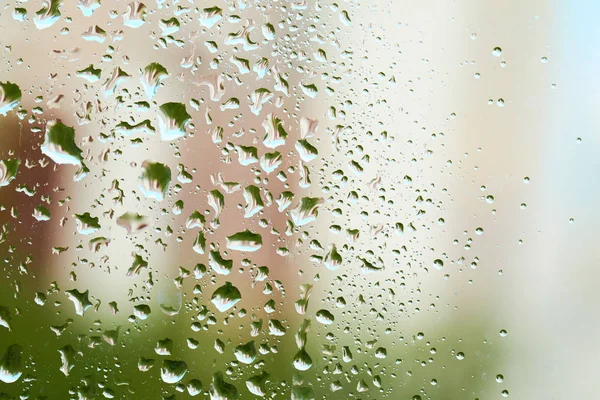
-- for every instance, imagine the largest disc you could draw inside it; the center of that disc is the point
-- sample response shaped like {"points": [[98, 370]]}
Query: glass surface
{"points": [[301, 199]]}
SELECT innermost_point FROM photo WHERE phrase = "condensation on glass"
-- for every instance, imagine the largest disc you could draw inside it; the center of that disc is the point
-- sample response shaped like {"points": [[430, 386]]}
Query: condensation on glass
{"points": [[305, 199]]}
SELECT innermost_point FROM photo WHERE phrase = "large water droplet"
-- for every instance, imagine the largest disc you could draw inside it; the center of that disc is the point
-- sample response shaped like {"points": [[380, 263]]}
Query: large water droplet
{"points": [[153, 75], [154, 180], [302, 360], [59, 144], [172, 121], [11, 367], [244, 241], [8, 170], [10, 96], [221, 390], [226, 297], [172, 371], [246, 353]]}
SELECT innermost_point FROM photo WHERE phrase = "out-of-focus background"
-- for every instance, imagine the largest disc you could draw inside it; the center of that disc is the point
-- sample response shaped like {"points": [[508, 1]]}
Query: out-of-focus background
{"points": [[417, 180]]}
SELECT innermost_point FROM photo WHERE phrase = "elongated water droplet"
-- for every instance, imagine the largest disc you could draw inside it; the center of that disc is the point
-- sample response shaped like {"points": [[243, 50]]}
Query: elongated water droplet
{"points": [[307, 151], [5, 317], [170, 298], [135, 16], [11, 367], [258, 98], [67, 359], [154, 180], [172, 121], [153, 75], [221, 390], [333, 259], [275, 135], [10, 97]]}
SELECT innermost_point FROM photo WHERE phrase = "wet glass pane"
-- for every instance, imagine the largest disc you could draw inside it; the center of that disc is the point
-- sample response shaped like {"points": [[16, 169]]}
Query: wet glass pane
{"points": [[305, 199]]}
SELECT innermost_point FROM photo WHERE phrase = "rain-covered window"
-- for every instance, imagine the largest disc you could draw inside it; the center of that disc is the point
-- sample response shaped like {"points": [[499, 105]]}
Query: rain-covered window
{"points": [[298, 199]]}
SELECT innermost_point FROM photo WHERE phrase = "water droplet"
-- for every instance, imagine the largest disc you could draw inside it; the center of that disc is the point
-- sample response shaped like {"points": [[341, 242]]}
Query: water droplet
{"points": [[154, 180], [275, 134], [221, 390], [244, 241], [153, 75], [80, 300], [67, 358], [86, 224], [132, 222], [59, 144], [226, 297], [306, 211], [211, 16], [170, 298], [257, 384], [87, 7], [142, 311], [307, 151], [172, 371], [172, 121], [10, 96], [194, 387], [11, 366], [47, 16], [219, 264], [135, 16], [8, 170], [324, 317], [246, 353]]}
